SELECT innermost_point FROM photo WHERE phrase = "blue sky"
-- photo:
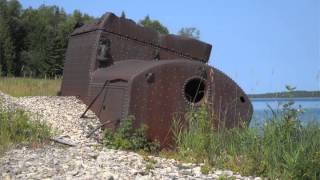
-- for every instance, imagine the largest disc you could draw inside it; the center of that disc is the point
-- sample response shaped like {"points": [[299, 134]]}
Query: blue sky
{"points": [[262, 44]]}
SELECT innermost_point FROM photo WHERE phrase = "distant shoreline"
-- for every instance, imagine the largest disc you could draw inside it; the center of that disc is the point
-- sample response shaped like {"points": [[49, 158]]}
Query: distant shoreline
{"points": [[284, 98], [288, 95]]}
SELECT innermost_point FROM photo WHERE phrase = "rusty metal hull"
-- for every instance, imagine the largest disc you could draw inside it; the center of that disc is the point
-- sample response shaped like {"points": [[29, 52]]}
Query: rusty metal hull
{"points": [[151, 76], [157, 100]]}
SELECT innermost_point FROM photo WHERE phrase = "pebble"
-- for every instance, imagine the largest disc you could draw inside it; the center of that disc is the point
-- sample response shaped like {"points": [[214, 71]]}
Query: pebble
{"points": [[88, 159]]}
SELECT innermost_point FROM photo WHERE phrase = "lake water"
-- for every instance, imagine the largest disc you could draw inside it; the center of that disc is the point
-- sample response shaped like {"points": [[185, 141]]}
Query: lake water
{"points": [[311, 107]]}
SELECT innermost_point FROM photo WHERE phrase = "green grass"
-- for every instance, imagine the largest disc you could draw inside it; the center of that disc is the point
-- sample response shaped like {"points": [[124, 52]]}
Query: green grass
{"points": [[18, 87], [126, 137], [16, 128], [282, 148]]}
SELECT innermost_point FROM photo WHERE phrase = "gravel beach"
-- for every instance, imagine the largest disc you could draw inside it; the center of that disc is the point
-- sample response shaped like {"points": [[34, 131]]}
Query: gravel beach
{"points": [[87, 159]]}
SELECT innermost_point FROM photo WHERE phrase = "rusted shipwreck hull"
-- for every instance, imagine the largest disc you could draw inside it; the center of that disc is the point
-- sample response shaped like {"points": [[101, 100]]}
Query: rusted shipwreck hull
{"points": [[136, 71]]}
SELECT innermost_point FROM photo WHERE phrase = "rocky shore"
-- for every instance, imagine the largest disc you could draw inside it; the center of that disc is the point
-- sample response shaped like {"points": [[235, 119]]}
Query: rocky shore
{"points": [[88, 159]]}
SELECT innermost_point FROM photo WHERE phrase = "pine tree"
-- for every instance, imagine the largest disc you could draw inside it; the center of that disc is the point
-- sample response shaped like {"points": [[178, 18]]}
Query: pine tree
{"points": [[123, 15], [7, 50]]}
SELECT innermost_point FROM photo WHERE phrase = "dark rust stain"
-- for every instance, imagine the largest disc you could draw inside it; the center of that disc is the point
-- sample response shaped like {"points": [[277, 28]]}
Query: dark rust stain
{"points": [[151, 76]]}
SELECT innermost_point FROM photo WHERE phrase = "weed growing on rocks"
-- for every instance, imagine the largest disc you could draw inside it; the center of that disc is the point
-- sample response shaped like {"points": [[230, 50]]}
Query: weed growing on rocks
{"points": [[16, 128], [205, 169], [127, 137]]}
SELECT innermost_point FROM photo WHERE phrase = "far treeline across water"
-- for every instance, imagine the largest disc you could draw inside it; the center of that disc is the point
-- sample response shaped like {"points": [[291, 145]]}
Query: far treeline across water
{"points": [[33, 42], [293, 94]]}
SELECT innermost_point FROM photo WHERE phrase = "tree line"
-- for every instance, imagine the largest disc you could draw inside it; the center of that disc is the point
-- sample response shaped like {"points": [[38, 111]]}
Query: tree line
{"points": [[33, 42], [292, 94]]}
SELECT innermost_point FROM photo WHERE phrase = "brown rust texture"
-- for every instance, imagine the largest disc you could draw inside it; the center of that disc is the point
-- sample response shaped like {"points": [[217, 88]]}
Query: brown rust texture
{"points": [[152, 76]]}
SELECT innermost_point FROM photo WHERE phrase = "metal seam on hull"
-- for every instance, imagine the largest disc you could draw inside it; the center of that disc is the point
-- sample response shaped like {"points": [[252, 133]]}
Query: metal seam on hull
{"points": [[149, 44], [125, 103]]}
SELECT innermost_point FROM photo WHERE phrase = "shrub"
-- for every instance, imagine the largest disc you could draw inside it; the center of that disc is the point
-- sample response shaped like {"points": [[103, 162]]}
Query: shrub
{"points": [[126, 137], [16, 128]]}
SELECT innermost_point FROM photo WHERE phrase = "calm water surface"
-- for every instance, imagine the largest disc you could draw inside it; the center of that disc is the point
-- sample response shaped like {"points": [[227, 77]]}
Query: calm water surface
{"points": [[311, 107]]}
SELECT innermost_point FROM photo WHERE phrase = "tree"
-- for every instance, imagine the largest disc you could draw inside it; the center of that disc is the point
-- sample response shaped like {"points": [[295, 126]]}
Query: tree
{"points": [[8, 55], [78, 17], [123, 15], [154, 24], [10, 29], [190, 32], [34, 41], [48, 30]]}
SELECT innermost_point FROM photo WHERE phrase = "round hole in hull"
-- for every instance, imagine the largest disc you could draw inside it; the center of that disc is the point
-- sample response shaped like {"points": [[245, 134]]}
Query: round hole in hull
{"points": [[242, 99], [194, 90]]}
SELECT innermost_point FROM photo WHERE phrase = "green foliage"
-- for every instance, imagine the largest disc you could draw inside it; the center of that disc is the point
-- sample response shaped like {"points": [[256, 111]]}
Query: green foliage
{"points": [[128, 138], [9, 30], [194, 139], [18, 87], [16, 128], [48, 29], [282, 148], [222, 178], [154, 24], [206, 168], [33, 41], [190, 32], [150, 163]]}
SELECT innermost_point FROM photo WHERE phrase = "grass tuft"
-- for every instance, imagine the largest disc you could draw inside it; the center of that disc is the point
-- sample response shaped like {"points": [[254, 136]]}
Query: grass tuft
{"points": [[18, 87], [206, 168], [16, 128]]}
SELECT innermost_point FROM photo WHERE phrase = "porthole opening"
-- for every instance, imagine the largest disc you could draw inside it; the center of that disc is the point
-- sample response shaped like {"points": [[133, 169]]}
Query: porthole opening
{"points": [[242, 99], [194, 90]]}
